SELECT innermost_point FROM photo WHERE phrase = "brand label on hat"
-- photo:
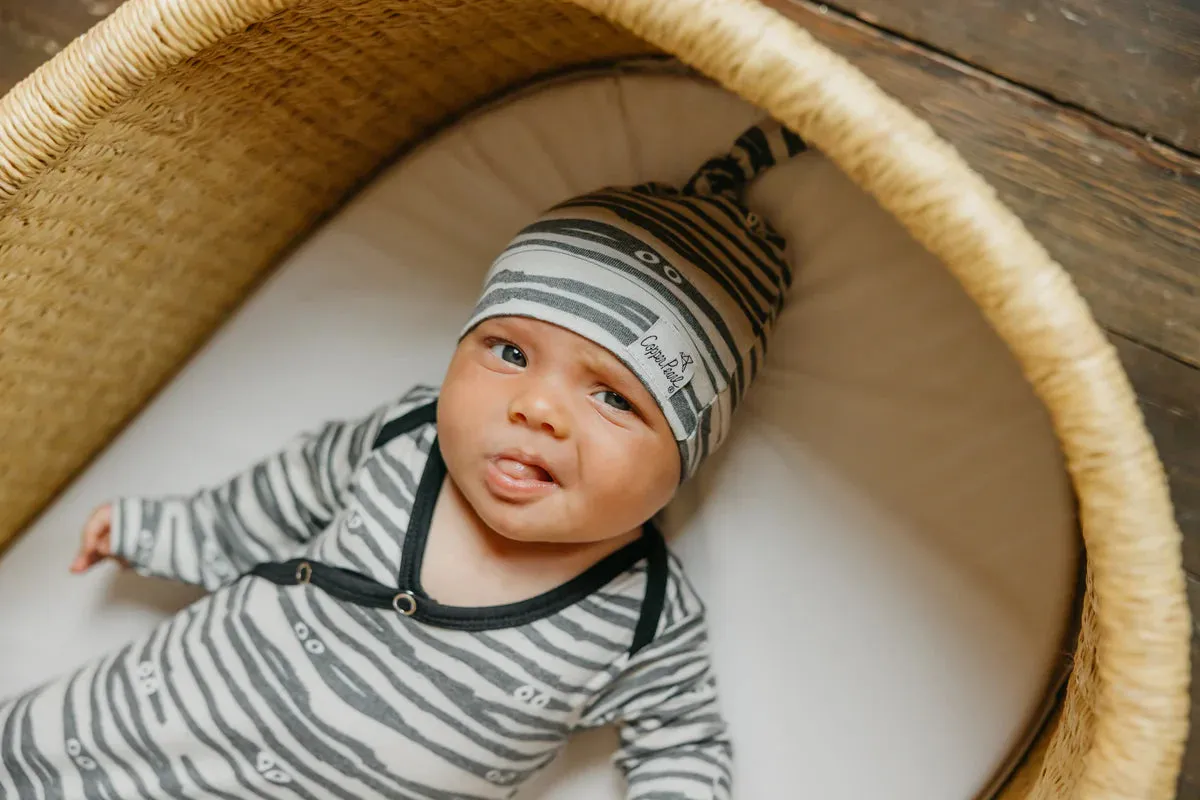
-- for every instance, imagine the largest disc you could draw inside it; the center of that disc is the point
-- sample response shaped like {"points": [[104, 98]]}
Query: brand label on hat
{"points": [[665, 357]]}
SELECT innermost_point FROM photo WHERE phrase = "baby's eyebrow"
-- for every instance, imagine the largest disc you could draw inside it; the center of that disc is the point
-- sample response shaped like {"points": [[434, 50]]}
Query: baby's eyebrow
{"points": [[600, 361], [609, 366]]}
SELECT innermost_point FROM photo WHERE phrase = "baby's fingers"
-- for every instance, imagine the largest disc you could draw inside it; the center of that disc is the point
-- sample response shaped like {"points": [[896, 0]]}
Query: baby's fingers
{"points": [[95, 544], [97, 525], [85, 560]]}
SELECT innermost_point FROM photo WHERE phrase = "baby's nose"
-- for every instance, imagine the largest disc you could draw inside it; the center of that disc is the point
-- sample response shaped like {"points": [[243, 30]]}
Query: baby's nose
{"points": [[541, 410]]}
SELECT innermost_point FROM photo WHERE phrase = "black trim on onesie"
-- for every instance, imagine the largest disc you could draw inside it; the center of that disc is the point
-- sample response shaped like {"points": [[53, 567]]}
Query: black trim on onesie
{"points": [[410, 598]]}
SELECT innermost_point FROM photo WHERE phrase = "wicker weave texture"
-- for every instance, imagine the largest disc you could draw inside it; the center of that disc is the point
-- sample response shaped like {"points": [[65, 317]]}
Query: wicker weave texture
{"points": [[153, 171], [135, 212]]}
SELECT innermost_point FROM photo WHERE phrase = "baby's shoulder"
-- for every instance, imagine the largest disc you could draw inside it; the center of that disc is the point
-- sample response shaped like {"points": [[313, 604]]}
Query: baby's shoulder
{"points": [[416, 397], [681, 628], [414, 409], [682, 603]]}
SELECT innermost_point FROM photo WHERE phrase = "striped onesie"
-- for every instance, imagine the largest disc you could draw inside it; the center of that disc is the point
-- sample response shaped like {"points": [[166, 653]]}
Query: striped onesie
{"points": [[318, 667]]}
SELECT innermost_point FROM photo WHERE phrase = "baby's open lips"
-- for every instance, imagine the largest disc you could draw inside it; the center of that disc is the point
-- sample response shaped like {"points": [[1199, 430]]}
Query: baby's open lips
{"points": [[524, 466]]}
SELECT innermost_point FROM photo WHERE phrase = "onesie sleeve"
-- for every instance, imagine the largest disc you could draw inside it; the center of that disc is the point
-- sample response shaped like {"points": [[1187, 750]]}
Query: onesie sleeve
{"points": [[674, 741], [267, 513]]}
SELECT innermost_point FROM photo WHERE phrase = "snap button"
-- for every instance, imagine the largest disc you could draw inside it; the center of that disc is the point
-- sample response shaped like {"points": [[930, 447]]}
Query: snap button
{"points": [[405, 603], [304, 572]]}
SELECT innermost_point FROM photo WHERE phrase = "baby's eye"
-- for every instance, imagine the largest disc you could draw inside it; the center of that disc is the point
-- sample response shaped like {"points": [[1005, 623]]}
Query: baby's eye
{"points": [[615, 400], [508, 352]]}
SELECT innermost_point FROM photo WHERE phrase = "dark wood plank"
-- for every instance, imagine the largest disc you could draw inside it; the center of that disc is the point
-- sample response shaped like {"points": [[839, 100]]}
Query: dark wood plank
{"points": [[1169, 394], [1122, 214], [31, 32], [1135, 62]]}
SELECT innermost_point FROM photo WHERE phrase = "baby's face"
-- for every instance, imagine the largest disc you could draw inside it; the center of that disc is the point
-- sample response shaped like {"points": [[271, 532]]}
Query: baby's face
{"points": [[550, 437]]}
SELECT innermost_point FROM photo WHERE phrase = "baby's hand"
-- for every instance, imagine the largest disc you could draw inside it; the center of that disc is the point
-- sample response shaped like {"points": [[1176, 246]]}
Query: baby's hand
{"points": [[97, 541]]}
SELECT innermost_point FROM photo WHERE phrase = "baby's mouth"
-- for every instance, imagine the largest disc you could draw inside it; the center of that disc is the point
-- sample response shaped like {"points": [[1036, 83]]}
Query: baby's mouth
{"points": [[519, 470]]}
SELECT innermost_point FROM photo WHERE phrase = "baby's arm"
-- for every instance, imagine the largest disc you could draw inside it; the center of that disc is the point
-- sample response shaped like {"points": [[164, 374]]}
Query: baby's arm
{"points": [[267, 513], [674, 741]]}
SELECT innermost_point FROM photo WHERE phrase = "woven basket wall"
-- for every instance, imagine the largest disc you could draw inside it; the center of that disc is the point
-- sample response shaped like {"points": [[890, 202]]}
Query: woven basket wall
{"points": [[154, 170]]}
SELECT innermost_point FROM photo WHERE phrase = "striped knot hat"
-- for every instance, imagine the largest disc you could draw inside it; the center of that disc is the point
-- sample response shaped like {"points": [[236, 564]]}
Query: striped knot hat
{"points": [[682, 285]]}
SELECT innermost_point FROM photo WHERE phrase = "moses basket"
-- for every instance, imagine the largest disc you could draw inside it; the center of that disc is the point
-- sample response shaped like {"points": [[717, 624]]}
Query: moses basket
{"points": [[157, 168]]}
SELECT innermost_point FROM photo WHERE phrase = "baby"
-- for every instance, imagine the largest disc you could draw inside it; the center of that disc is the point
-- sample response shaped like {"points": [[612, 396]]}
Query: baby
{"points": [[426, 603]]}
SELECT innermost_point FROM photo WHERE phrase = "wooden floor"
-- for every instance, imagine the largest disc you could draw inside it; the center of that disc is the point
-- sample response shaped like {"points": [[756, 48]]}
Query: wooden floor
{"points": [[1085, 116]]}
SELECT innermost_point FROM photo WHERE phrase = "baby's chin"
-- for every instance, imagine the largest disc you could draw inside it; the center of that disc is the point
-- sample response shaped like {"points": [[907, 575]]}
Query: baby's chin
{"points": [[532, 525], [525, 525]]}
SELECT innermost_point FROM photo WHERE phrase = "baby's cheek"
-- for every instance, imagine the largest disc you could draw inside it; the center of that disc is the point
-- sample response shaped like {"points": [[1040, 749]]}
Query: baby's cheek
{"points": [[465, 393], [657, 465], [631, 487]]}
